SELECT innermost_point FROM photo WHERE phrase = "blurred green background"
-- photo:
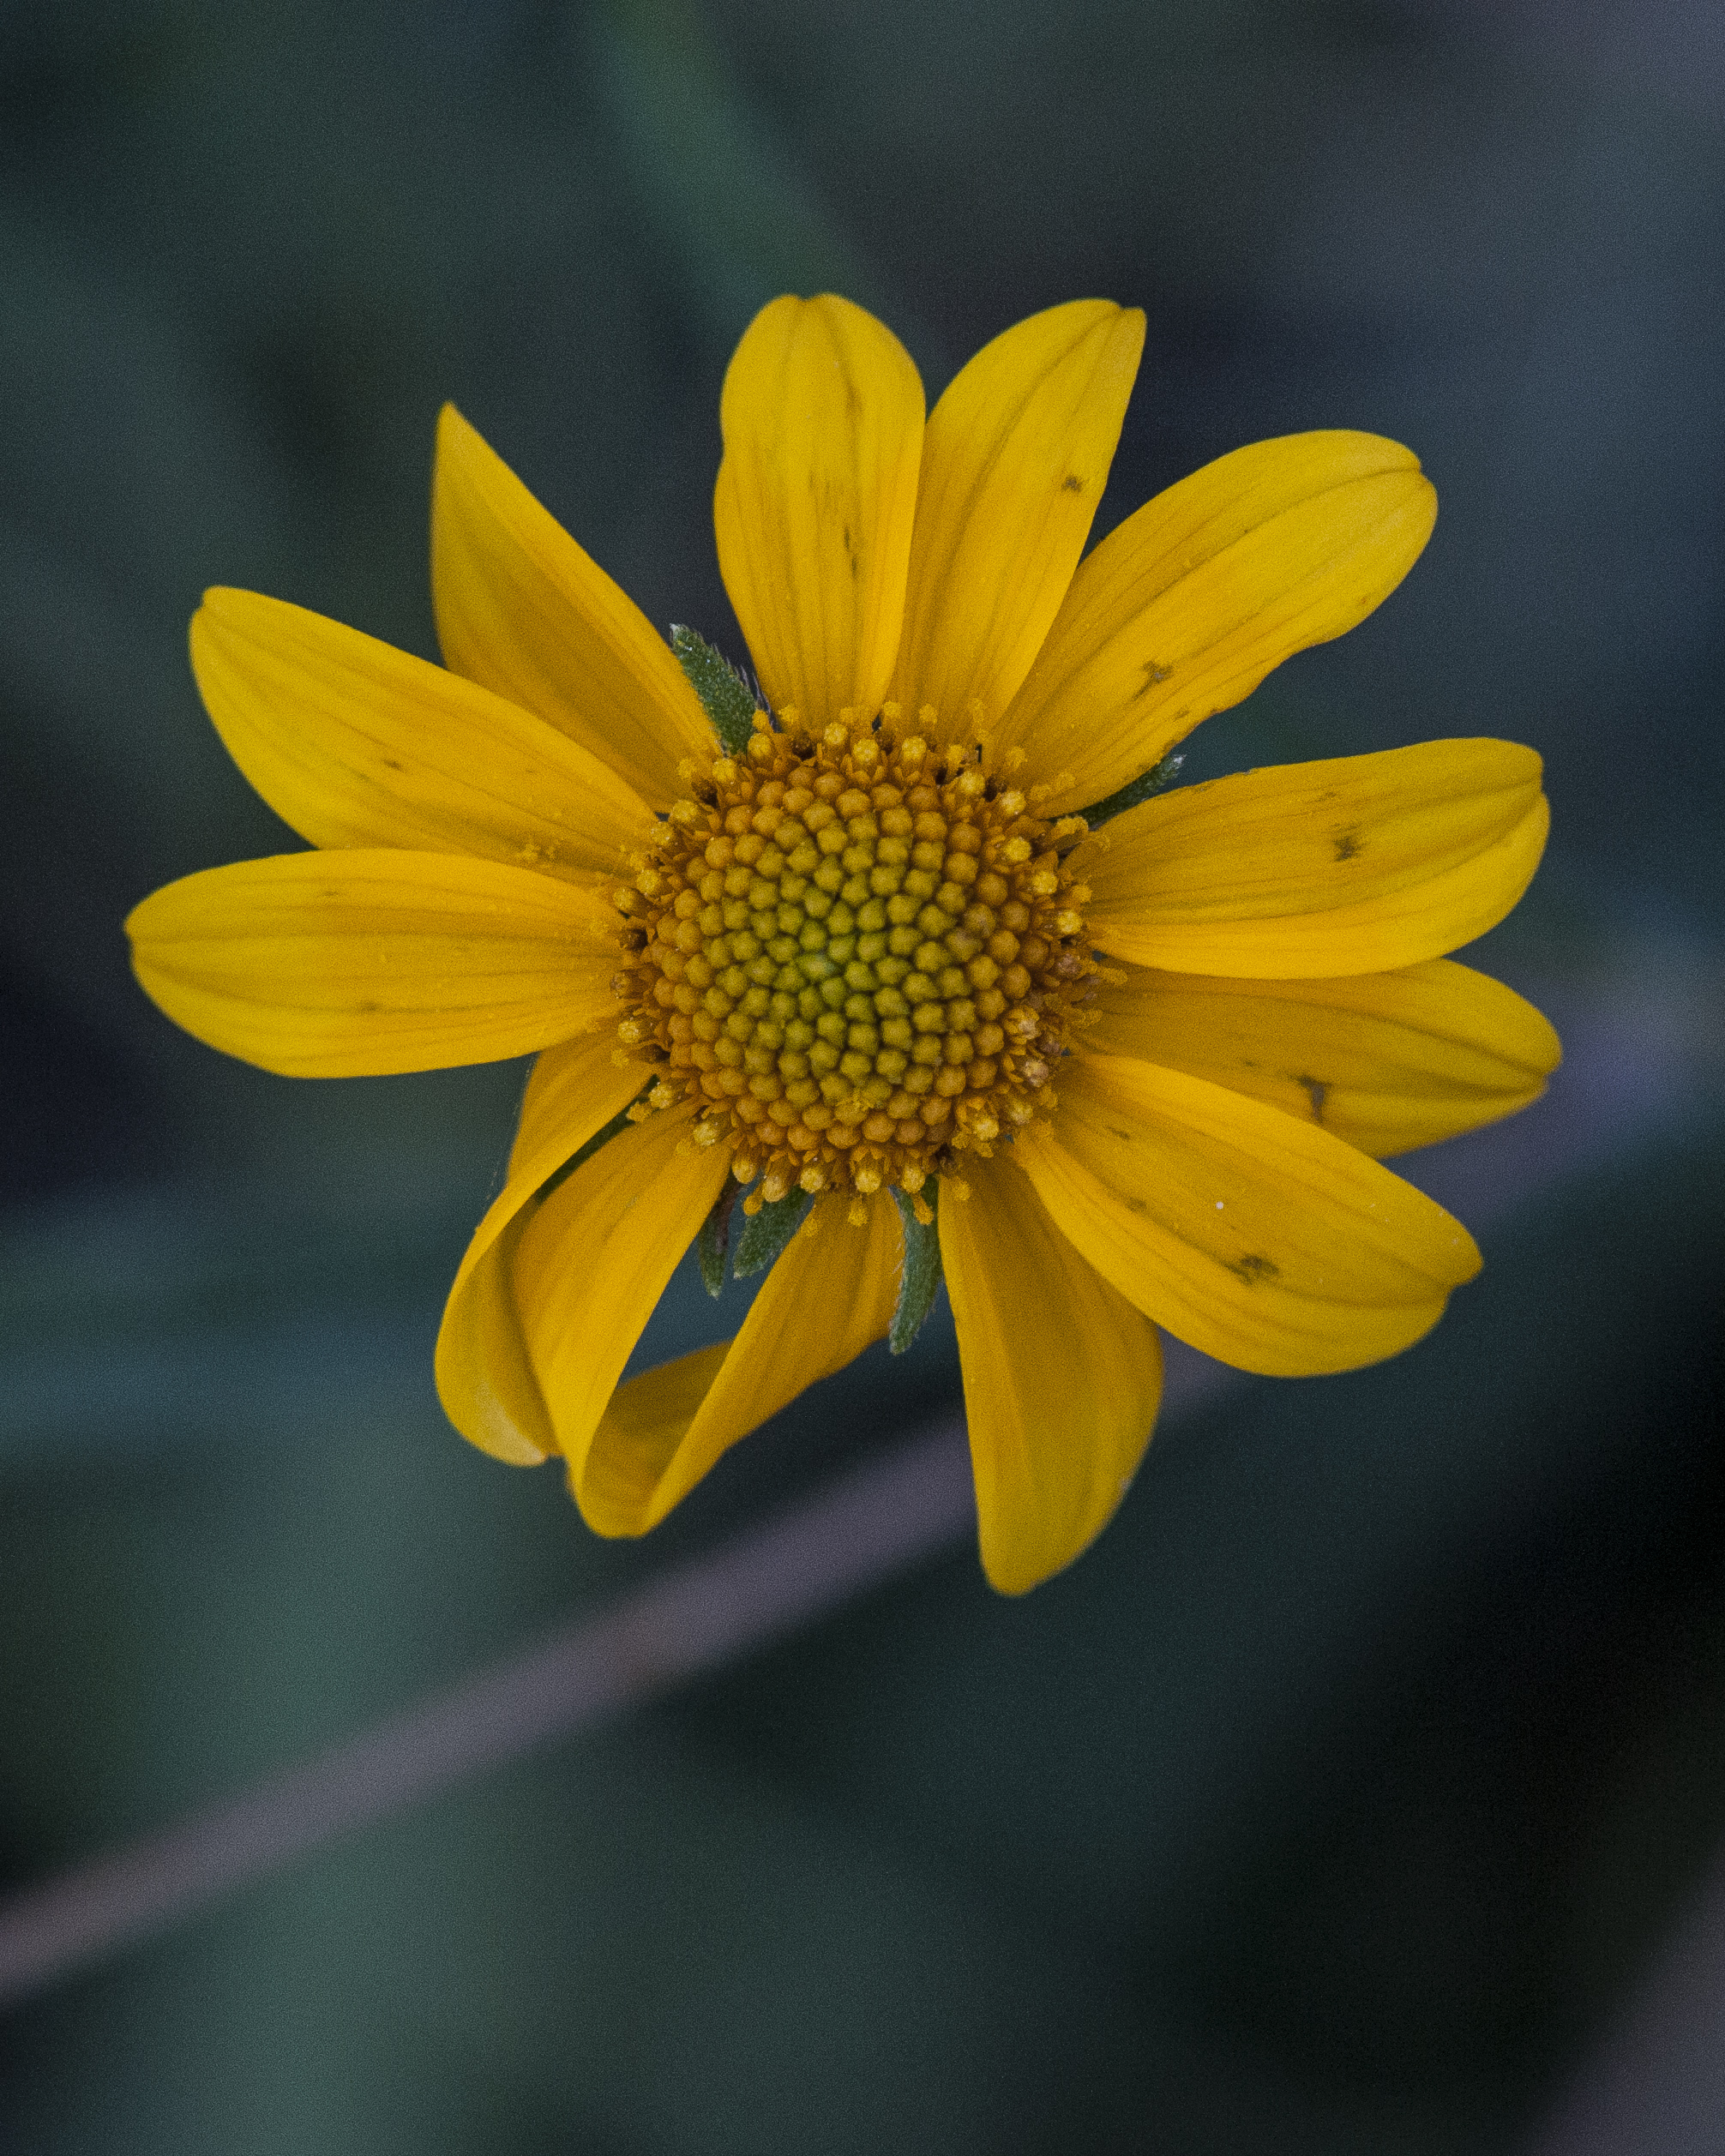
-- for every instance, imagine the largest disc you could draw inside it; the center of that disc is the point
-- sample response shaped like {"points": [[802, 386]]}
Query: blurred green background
{"points": [[1334, 1801]]}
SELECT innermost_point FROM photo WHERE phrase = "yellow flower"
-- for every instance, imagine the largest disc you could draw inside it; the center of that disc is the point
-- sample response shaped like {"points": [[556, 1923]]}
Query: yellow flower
{"points": [[868, 954]]}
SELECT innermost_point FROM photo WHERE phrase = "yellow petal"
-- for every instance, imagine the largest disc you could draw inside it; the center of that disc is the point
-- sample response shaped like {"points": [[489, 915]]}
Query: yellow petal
{"points": [[822, 419], [565, 1088], [1259, 1239], [523, 611], [353, 963], [593, 1258], [485, 1378], [638, 1435], [1062, 1377], [830, 1295], [1185, 607], [1355, 865], [1386, 1060], [357, 744], [1017, 454]]}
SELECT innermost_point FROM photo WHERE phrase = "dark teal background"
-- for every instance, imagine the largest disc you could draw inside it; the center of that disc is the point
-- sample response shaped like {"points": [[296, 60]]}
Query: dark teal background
{"points": [[1333, 1801]]}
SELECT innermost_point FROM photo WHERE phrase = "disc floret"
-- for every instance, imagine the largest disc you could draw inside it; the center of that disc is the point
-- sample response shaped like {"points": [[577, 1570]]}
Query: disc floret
{"points": [[858, 952]]}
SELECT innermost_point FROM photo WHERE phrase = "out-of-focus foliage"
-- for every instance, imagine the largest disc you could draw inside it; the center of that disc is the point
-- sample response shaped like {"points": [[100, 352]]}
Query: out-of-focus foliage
{"points": [[1330, 1802]]}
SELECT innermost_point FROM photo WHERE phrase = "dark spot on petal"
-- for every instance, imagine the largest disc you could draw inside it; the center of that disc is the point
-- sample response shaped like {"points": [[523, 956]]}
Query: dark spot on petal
{"points": [[1152, 674], [1348, 843], [391, 764], [1318, 1091], [1072, 484], [1254, 1268]]}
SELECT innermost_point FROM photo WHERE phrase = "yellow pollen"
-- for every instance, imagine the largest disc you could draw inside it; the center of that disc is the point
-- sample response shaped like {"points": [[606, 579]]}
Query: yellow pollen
{"points": [[855, 955]]}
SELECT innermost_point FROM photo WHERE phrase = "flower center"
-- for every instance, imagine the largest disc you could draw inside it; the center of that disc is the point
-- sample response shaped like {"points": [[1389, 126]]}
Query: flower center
{"points": [[857, 953]]}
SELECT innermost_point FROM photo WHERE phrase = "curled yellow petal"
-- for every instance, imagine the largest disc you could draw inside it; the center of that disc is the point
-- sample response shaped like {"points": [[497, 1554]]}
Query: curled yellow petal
{"points": [[640, 1433], [522, 609], [1255, 1237], [1185, 607], [593, 1258], [1062, 1377], [354, 963], [485, 1375], [1386, 1060], [1013, 466], [830, 1295], [1358, 864], [357, 744], [822, 419]]}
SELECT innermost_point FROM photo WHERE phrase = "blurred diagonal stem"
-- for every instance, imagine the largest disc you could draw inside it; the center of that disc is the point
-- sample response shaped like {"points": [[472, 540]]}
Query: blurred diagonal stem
{"points": [[810, 1559]]}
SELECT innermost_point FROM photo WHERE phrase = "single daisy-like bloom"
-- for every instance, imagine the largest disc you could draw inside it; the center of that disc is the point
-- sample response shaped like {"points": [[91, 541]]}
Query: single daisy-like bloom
{"points": [[914, 964]]}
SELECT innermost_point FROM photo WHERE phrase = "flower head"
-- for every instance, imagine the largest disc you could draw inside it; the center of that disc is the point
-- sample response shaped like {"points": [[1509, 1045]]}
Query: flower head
{"points": [[865, 960]]}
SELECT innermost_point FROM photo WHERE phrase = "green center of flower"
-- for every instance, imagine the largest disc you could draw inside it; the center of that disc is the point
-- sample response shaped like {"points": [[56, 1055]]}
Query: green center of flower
{"points": [[857, 953]]}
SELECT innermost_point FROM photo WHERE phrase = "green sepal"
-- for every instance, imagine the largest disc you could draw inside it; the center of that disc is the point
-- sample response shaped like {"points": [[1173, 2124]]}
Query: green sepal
{"points": [[714, 1239], [921, 1278], [766, 1233], [725, 697], [1134, 791], [619, 1122]]}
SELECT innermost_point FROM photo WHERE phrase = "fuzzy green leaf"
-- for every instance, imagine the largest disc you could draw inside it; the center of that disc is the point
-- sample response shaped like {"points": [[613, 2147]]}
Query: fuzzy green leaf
{"points": [[766, 1232], [920, 1278], [714, 1240], [725, 697]]}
